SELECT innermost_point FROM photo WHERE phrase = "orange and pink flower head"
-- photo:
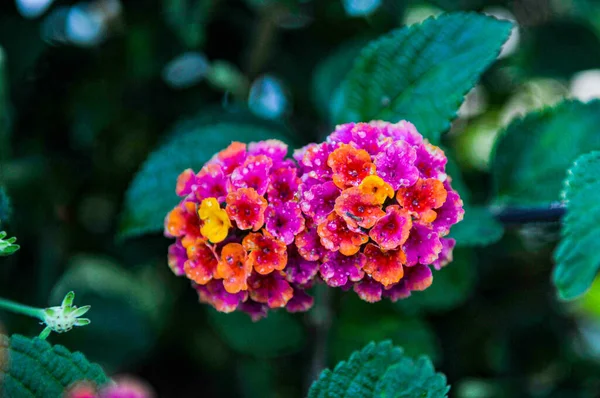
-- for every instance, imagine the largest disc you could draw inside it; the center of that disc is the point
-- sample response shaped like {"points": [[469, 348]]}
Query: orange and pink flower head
{"points": [[368, 209]]}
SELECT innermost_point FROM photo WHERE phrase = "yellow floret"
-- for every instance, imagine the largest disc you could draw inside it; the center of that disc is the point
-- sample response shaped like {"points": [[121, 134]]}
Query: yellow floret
{"points": [[375, 185], [216, 221]]}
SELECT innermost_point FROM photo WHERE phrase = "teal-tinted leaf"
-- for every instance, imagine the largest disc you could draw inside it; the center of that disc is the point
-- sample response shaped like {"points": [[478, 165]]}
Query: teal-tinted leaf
{"points": [[451, 286], [379, 370], [278, 334], [577, 259], [409, 378], [533, 153], [478, 228], [151, 194], [34, 368], [421, 73]]}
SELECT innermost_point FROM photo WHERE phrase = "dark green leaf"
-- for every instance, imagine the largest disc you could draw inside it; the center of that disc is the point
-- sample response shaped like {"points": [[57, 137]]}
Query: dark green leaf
{"points": [[533, 153], [409, 378], [279, 333], [380, 370], [451, 286], [151, 194], [576, 257], [34, 368], [421, 73], [478, 228]]}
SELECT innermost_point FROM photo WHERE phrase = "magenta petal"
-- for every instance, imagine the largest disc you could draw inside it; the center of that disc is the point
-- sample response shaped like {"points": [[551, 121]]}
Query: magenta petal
{"points": [[369, 290], [299, 270], [418, 277], [319, 201], [256, 310], [450, 213], [397, 292], [445, 256], [401, 131], [431, 161], [395, 164], [391, 230], [273, 149], [284, 221], [338, 269], [423, 245], [283, 185], [360, 135], [177, 258], [309, 244], [211, 182], [214, 293], [300, 301], [253, 173], [312, 160]]}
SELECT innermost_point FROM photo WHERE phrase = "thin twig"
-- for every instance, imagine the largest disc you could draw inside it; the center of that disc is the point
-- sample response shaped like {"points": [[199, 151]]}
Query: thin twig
{"points": [[525, 215]]}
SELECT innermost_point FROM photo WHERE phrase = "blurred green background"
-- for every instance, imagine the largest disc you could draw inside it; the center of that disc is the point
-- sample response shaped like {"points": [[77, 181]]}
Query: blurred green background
{"points": [[89, 89]]}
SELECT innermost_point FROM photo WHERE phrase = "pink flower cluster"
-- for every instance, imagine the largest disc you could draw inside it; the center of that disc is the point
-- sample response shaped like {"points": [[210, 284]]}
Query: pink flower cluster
{"points": [[368, 209], [235, 228], [378, 203]]}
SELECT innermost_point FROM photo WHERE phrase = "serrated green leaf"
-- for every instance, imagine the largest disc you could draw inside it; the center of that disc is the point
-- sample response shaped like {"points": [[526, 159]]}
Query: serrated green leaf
{"points": [[478, 228], [450, 288], [378, 370], [34, 368], [421, 73], [151, 194], [408, 379], [278, 334], [532, 154], [577, 260]]}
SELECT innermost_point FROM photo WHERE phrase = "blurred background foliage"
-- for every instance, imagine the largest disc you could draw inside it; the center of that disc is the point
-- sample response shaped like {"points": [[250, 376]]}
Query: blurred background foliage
{"points": [[88, 89]]}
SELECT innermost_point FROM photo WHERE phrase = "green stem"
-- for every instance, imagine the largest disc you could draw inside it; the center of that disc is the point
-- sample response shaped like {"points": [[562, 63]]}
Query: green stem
{"points": [[12, 306]]}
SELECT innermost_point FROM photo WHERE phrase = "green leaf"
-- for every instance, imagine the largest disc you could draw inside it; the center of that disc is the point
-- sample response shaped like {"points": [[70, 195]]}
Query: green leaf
{"points": [[380, 370], [478, 228], [421, 73], [531, 156], [408, 379], [451, 286], [151, 194], [576, 257], [34, 368], [278, 334]]}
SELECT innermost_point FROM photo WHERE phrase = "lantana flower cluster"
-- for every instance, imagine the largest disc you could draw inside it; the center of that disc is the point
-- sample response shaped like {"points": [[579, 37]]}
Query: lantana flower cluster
{"points": [[378, 205], [235, 228], [368, 209]]}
